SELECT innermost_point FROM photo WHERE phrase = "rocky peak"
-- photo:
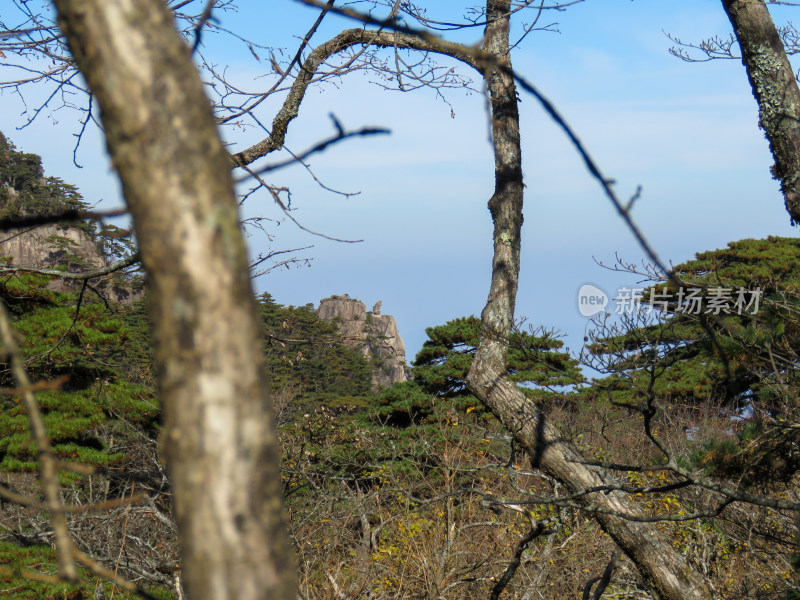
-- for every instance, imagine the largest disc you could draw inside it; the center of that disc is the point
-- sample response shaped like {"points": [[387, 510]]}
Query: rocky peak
{"points": [[341, 307], [25, 191], [376, 335]]}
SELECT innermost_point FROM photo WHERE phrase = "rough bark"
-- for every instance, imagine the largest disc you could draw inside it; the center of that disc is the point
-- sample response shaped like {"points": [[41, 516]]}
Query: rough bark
{"points": [[219, 443], [220, 447], [775, 89], [662, 567]]}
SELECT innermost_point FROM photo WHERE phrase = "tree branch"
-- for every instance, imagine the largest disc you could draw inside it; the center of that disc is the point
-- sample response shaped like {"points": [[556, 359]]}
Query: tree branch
{"points": [[117, 266], [48, 477]]}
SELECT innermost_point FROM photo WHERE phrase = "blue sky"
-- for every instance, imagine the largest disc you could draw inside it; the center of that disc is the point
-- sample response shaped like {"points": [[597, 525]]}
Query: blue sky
{"points": [[687, 133]]}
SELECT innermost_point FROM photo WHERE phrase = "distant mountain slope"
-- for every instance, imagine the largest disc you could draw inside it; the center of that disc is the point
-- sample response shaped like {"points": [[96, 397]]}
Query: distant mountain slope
{"points": [[25, 191]]}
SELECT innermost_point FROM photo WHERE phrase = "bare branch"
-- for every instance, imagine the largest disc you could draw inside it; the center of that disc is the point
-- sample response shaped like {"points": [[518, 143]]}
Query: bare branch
{"points": [[85, 275], [276, 197], [65, 548], [341, 42], [341, 135], [538, 528], [604, 580]]}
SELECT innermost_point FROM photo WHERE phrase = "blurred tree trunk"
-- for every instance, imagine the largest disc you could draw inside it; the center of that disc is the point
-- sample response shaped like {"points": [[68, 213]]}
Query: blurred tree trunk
{"points": [[775, 89], [219, 441], [664, 570], [221, 449]]}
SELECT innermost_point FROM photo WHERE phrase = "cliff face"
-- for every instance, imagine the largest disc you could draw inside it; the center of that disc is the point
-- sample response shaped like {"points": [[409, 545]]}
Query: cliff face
{"points": [[47, 246], [25, 191], [376, 335]]}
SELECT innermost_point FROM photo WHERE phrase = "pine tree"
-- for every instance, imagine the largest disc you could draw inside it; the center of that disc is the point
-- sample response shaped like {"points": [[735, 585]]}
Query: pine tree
{"points": [[713, 348], [744, 358], [308, 353], [534, 359]]}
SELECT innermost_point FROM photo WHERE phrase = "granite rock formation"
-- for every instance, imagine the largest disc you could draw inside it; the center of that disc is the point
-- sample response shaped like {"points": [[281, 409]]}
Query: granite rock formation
{"points": [[47, 246], [25, 192], [52, 246], [376, 335]]}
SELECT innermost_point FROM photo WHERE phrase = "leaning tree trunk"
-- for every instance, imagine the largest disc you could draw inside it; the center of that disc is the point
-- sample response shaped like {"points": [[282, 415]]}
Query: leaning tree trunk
{"points": [[219, 442], [662, 567], [775, 89]]}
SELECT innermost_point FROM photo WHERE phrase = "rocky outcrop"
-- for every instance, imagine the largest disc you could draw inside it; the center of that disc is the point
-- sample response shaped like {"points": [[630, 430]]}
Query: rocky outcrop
{"points": [[48, 246], [53, 246], [26, 192], [376, 335]]}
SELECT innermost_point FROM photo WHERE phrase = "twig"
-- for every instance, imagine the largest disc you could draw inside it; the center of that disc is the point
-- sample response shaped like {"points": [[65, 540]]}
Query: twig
{"points": [[340, 135], [48, 477], [71, 509], [604, 580], [127, 514], [39, 386], [537, 529], [198, 29], [117, 266], [102, 571], [17, 222], [276, 197]]}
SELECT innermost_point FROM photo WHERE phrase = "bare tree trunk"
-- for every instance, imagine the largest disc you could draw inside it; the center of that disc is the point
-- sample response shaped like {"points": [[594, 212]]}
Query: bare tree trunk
{"points": [[775, 89], [662, 567], [219, 441]]}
